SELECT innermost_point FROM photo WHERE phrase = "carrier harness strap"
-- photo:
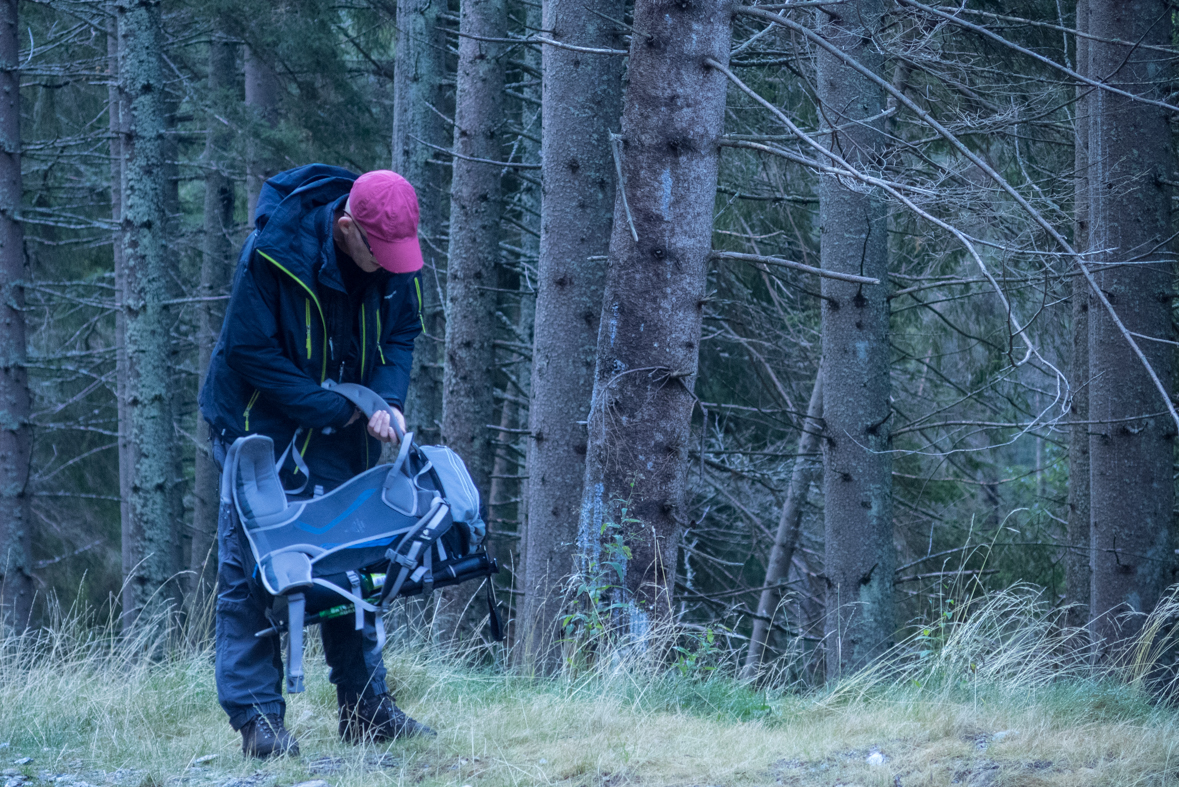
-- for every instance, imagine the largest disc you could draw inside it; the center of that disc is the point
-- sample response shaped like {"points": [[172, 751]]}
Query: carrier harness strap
{"points": [[295, 602], [300, 463], [354, 579], [361, 604], [415, 542], [366, 399]]}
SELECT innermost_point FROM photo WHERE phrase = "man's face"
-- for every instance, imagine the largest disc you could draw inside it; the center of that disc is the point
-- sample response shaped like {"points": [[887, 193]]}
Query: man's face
{"points": [[356, 243]]}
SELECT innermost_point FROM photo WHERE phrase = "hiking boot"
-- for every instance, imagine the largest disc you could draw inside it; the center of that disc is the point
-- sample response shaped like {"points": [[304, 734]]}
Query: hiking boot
{"points": [[265, 736], [378, 720]]}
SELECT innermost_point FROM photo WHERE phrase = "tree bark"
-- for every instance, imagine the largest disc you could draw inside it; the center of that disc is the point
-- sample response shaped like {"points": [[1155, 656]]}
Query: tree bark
{"points": [[1132, 446], [417, 124], [649, 333], [476, 212], [857, 473], [262, 104], [806, 471], [150, 534], [16, 433], [582, 102], [217, 263], [1076, 559]]}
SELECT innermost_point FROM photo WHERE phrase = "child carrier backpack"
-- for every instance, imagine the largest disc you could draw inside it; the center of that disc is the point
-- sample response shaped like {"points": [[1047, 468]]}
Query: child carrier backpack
{"points": [[399, 529]]}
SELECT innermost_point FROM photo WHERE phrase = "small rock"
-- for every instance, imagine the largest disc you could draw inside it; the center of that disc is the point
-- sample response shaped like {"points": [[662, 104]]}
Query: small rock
{"points": [[314, 783], [15, 781], [10, 772], [385, 761], [203, 760], [22, 761], [543, 762], [875, 758], [998, 736], [325, 765]]}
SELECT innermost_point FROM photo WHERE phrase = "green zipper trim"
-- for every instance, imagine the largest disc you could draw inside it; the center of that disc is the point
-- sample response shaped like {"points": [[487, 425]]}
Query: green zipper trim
{"points": [[417, 283], [250, 406], [307, 320], [380, 338], [277, 264]]}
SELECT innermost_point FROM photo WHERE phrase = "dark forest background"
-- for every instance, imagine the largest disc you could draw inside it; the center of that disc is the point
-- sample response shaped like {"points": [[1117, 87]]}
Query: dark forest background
{"points": [[777, 459]]}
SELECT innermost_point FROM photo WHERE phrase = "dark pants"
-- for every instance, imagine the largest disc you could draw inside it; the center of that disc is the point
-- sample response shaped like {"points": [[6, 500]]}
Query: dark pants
{"points": [[250, 669]]}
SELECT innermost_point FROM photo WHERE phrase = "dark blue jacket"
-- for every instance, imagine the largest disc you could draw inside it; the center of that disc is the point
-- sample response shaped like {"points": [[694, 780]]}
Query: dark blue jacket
{"points": [[290, 325]]}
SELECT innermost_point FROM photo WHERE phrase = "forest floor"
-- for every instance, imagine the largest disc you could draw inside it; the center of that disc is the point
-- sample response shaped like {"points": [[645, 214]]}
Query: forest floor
{"points": [[88, 712]]}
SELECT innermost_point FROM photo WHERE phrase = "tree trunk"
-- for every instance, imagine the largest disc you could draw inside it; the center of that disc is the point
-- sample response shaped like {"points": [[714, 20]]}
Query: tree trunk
{"points": [[582, 98], [1132, 446], [1076, 559], [262, 104], [150, 534], [116, 111], [16, 433], [476, 211], [649, 334], [857, 473], [417, 123], [217, 264], [806, 471]]}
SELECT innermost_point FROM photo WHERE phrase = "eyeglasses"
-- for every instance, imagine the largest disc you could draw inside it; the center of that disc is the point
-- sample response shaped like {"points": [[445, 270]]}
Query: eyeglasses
{"points": [[360, 229]]}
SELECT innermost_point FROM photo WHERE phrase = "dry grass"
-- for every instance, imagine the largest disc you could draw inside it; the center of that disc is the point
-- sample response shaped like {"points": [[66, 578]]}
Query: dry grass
{"points": [[995, 695]]}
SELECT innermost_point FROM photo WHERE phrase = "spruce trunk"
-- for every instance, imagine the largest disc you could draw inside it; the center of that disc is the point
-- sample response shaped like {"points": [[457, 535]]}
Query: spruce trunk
{"points": [[1076, 559], [582, 102], [806, 470], [857, 473], [649, 334], [418, 94], [150, 534], [262, 106], [16, 433], [1132, 439], [116, 111], [217, 262], [476, 212]]}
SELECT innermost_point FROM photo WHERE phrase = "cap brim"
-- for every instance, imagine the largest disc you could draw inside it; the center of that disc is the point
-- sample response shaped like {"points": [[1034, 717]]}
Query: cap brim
{"points": [[397, 256]]}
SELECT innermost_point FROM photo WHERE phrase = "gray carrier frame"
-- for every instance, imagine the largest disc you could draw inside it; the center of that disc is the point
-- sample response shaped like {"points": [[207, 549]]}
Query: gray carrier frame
{"points": [[417, 519]]}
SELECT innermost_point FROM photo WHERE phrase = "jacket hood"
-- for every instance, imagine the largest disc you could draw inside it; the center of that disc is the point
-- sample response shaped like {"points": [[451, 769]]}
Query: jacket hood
{"points": [[293, 216]]}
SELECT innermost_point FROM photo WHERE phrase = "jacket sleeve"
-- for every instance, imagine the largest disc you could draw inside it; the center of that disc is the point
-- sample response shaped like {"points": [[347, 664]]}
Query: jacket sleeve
{"points": [[253, 349], [401, 325]]}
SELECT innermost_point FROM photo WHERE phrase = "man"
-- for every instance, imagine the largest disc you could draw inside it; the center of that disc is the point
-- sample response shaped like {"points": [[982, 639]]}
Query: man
{"points": [[326, 287]]}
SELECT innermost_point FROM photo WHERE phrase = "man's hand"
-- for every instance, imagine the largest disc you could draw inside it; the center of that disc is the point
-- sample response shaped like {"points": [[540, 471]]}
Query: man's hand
{"points": [[380, 427]]}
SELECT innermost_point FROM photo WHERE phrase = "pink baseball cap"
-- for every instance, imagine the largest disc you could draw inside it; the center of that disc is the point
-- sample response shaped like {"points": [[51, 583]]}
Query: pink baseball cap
{"points": [[386, 208]]}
